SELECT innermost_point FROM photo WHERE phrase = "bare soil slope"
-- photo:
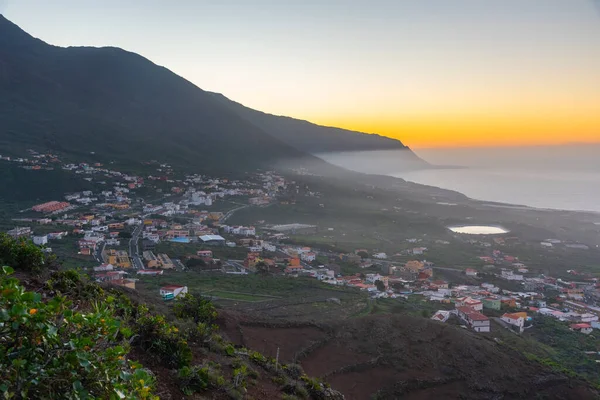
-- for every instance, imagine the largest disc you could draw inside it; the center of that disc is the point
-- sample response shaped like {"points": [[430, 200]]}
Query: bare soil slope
{"points": [[407, 357]]}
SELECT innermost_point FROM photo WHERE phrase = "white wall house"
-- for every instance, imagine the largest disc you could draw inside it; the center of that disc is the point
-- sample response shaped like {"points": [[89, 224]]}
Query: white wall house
{"points": [[40, 240], [308, 257], [515, 320], [175, 290]]}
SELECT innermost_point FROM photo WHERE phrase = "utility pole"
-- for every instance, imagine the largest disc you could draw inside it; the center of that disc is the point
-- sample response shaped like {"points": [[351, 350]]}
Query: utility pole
{"points": [[277, 360]]}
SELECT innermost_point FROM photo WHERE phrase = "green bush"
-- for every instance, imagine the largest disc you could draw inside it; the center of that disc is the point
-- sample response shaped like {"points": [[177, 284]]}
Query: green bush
{"points": [[197, 378], [23, 255], [49, 350], [196, 308], [71, 283], [294, 371], [163, 340]]}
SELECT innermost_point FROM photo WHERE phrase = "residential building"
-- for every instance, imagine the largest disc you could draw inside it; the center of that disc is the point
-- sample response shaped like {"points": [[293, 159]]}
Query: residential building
{"points": [[213, 240], [165, 261], [269, 247], [511, 276], [118, 258], [583, 328], [150, 272], [50, 206], [476, 305], [441, 316], [19, 231], [470, 272], [40, 240], [515, 319], [150, 259], [414, 266], [204, 253], [440, 284], [476, 321], [380, 256], [109, 276], [172, 291], [308, 257], [104, 267]]}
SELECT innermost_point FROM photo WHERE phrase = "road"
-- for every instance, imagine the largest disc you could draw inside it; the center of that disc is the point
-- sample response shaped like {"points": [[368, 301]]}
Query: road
{"points": [[231, 212], [449, 269], [134, 251], [99, 250]]}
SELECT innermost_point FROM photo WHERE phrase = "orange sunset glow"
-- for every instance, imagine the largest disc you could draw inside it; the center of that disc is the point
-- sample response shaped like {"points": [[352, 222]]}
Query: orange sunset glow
{"points": [[432, 73], [469, 130]]}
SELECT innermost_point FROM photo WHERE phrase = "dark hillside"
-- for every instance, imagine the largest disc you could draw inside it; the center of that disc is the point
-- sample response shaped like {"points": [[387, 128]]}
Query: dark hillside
{"points": [[315, 139], [409, 357], [119, 105]]}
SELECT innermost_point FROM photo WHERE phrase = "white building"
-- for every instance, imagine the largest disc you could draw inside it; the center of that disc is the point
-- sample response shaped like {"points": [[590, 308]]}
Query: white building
{"points": [[380, 256], [269, 247], [174, 290], [476, 320], [510, 276], [515, 320], [308, 257], [104, 267], [40, 240]]}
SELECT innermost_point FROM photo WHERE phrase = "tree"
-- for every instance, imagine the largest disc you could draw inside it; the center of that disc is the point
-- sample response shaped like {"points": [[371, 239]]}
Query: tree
{"points": [[195, 262], [262, 268], [125, 235], [380, 285], [363, 254]]}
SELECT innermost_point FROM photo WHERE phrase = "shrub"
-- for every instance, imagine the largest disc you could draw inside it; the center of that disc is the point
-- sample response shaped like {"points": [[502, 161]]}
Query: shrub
{"points": [[23, 255], [48, 350], [294, 371], [295, 389], [197, 308], [198, 378], [163, 340], [71, 283]]}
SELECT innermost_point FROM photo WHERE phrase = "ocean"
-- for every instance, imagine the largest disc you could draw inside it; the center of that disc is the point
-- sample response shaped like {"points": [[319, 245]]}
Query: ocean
{"points": [[557, 177]]}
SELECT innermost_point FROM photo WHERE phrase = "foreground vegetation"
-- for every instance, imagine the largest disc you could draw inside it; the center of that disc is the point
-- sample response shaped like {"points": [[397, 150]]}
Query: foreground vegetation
{"points": [[68, 337]]}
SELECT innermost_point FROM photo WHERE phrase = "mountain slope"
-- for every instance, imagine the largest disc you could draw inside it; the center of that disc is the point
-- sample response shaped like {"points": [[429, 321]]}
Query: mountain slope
{"points": [[309, 137], [119, 105]]}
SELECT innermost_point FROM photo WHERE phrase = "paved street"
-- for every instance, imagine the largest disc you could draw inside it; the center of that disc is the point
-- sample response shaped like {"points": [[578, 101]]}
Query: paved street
{"points": [[134, 251]]}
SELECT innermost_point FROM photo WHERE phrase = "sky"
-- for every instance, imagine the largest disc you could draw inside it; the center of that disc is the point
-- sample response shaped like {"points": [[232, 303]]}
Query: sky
{"points": [[432, 73]]}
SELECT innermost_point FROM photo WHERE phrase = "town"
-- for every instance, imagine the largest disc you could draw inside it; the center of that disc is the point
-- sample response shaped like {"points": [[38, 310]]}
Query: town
{"points": [[119, 236]]}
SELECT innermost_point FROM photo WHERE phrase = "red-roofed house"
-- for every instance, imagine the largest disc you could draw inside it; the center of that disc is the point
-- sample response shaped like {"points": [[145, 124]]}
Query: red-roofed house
{"points": [[515, 319], [583, 328], [476, 320], [470, 272], [476, 305]]}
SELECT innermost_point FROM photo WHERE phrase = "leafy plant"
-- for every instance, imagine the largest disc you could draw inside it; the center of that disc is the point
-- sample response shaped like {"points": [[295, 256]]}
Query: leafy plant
{"points": [[50, 350], [198, 378], [163, 340], [23, 255], [197, 308]]}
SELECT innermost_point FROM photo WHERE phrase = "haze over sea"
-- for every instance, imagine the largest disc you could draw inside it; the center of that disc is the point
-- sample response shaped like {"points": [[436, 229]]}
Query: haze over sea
{"points": [[565, 177], [558, 177]]}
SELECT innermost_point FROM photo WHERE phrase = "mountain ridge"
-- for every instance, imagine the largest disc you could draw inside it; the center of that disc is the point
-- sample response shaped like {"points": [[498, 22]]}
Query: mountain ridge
{"points": [[121, 106], [363, 140]]}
